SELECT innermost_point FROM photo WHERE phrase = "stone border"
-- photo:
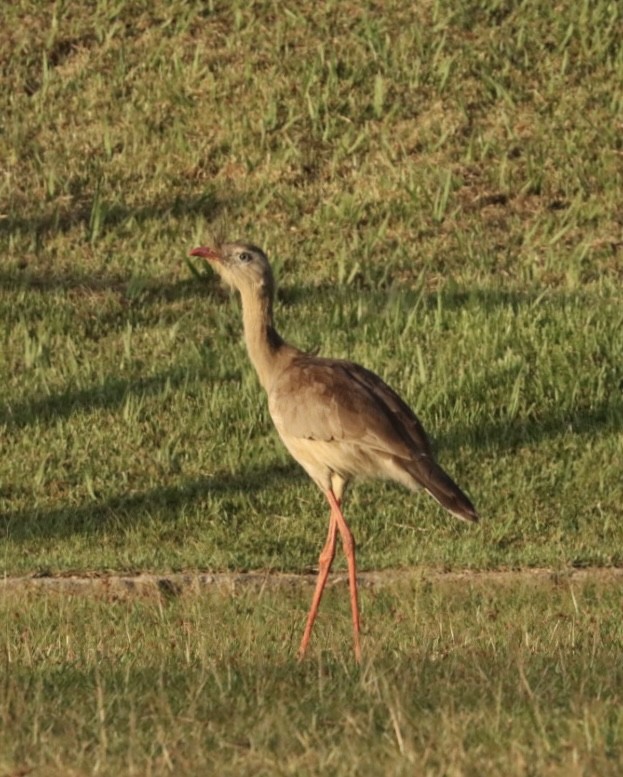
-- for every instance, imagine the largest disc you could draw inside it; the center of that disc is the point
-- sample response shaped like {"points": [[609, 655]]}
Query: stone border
{"points": [[176, 584]]}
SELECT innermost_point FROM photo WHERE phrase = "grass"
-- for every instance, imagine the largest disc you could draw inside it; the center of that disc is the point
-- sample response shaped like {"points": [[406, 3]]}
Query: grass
{"points": [[529, 683], [439, 189]]}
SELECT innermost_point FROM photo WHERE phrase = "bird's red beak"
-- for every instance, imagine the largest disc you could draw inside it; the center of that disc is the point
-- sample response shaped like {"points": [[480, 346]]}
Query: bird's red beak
{"points": [[206, 253]]}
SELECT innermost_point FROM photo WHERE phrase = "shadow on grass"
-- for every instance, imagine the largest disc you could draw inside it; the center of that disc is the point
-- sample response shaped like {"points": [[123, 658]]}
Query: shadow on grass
{"points": [[507, 434], [112, 393], [82, 211], [449, 298], [62, 219], [134, 290], [136, 296], [500, 433], [127, 509], [380, 295]]}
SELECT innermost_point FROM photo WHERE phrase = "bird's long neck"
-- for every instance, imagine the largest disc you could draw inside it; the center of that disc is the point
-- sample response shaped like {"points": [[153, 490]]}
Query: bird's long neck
{"points": [[263, 342]]}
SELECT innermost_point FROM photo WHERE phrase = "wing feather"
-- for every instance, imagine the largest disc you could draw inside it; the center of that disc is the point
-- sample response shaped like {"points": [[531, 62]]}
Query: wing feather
{"points": [[327, 399]]}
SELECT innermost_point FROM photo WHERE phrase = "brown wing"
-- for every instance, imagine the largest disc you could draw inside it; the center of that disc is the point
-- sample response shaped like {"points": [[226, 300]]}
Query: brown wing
{"points": [[327, 399]]}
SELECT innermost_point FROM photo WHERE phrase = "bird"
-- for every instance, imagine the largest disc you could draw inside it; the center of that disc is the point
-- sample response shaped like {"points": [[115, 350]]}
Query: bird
{"points": [[337, 419]]}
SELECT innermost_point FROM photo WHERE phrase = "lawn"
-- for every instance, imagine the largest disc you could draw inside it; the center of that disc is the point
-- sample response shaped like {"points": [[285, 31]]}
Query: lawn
{"points": [[440, 190], [456, 678]]}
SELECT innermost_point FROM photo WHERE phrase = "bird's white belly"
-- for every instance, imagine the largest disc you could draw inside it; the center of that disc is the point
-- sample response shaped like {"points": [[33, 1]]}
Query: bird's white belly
{"points": [[322, 458]]}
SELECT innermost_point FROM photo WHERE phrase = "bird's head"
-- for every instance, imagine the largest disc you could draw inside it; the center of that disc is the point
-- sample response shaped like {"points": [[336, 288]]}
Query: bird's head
{"points": [[243, 266]]}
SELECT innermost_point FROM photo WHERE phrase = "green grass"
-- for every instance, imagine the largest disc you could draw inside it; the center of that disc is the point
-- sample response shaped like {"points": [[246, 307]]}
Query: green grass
{"points": [[440, 191], [467, 678]]}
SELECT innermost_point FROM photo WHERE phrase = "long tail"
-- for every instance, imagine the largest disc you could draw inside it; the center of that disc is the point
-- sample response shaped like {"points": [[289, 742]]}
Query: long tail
{"points": [[441, 486]]}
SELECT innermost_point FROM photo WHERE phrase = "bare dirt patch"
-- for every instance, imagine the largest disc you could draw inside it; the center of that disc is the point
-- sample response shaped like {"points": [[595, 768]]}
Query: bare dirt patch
{"points": [[177, 584]]}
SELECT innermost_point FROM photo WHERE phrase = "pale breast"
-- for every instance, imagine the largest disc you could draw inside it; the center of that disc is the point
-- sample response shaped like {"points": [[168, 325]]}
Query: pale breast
{"points": [[323, 458]]}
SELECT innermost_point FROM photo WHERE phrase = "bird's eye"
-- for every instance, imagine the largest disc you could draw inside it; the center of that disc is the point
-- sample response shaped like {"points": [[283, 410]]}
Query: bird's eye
{"points": [[245, 256]]}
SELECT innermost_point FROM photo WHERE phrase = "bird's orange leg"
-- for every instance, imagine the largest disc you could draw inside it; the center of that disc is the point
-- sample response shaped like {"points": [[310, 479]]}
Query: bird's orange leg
{"points": [[324, 565], [348, 543]]}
